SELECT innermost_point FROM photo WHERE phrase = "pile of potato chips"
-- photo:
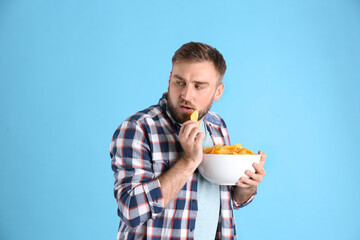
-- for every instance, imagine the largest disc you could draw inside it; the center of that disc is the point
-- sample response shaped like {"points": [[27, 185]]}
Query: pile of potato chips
{"points": [[228, 149]]}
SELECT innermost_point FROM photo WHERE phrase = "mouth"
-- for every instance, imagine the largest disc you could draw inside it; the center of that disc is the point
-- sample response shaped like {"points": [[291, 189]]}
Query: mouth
{"points": [[186, 109]]}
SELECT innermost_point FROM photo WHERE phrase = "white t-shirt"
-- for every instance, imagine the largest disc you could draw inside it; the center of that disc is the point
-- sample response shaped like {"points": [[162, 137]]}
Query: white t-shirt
{"points": [[208, 199]]}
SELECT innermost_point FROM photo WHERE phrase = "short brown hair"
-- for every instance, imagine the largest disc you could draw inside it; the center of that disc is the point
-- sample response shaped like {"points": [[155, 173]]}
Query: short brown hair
{"points": [[198, 52]]}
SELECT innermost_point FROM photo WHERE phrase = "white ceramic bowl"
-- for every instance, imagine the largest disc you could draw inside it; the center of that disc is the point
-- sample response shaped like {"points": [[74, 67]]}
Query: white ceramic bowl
{"points": [[226, 169]]}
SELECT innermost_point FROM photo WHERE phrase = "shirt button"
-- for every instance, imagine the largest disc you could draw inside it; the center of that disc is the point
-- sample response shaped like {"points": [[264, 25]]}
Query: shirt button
{"points": [[191, 230]]}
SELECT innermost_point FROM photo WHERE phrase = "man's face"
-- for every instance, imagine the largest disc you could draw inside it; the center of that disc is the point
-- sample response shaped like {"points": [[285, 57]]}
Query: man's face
{"points": [[193, 85]]}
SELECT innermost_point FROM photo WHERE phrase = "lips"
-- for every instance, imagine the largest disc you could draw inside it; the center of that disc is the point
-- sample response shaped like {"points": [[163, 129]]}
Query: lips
{"points": [[186, 109]]}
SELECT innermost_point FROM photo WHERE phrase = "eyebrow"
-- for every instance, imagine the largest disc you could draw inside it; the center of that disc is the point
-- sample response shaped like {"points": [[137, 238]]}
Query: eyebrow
{"points": [[178, 77], [197, 82]]}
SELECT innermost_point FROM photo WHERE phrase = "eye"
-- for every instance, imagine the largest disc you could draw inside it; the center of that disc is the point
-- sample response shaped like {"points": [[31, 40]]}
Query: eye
{"points": [[199, 87], [180, 83]]}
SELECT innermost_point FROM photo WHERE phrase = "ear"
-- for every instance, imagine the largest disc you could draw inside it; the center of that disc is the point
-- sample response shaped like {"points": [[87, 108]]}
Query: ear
{"points": [[219, 91]]}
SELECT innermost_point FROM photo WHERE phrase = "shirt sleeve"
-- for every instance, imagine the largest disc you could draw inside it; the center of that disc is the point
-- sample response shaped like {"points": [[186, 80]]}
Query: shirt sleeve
{"points": [[136, 190], [237, 205]]}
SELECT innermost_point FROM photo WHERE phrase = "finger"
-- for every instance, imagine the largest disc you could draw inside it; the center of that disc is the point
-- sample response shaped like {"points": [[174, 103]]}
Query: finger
{"points": [[199, 137], [188, 128], [249, 181], [259, 169], [194, 134], [184, 126], [257, 177], [254, 176], [262, 158]]}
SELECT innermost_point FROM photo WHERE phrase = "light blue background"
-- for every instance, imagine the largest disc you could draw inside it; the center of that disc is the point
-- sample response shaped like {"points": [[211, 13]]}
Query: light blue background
{"points": [[72, 71]]}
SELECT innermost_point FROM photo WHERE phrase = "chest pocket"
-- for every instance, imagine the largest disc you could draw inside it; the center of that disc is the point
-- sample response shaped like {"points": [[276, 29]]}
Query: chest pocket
{"points": [[165, 151]]}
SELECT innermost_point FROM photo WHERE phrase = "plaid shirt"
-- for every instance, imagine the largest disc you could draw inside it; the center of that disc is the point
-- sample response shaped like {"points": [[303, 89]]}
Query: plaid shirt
{"points": [[143, 147]]}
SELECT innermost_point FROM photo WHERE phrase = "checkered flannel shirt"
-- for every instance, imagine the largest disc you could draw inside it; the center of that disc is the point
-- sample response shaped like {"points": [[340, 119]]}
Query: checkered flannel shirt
{"points": [[143, 147]]}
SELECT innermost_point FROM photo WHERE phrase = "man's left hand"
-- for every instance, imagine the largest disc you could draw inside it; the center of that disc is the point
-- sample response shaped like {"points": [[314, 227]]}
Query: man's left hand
{"points": [[247, 186], [255, 178]]}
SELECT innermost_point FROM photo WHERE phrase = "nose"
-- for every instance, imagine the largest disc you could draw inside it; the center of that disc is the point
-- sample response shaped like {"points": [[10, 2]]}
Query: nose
{"points": [[186, 93]]}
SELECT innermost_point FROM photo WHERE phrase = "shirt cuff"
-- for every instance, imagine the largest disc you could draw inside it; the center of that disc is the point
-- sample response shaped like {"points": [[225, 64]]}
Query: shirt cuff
{"points": [[237, 205], [154, 196]]}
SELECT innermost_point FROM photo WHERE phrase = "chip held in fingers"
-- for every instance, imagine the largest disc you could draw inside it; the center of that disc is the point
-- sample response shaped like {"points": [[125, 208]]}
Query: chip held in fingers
{"points": [[236, 149], [194, 116]]}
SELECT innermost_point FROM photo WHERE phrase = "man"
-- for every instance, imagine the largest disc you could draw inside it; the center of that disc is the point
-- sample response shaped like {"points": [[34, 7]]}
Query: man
{"points": [[155, 154]]}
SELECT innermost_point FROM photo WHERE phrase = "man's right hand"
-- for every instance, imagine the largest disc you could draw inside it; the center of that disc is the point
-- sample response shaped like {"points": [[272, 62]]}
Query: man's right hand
{"points": [[191, 137]]}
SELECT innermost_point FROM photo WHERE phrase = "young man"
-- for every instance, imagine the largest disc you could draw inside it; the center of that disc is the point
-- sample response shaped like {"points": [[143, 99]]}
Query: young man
{"points": [[155, 154]]}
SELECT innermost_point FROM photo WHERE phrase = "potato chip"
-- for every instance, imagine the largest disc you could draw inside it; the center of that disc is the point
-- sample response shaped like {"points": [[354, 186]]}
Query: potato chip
{"points": [[228, 149], [194, 116]]}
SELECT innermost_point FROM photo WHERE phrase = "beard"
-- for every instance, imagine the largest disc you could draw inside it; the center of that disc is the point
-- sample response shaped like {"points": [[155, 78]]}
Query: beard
{"points": [[182, 117]]}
